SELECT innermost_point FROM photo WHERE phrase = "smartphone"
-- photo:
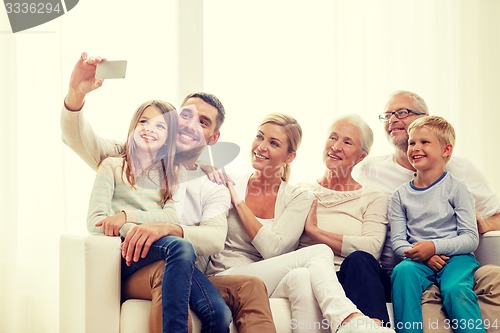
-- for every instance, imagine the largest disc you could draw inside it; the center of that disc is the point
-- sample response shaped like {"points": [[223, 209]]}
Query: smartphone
{"points": [[109, 69]]}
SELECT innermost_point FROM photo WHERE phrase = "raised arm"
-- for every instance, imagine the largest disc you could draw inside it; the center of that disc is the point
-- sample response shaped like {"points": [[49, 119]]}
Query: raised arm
{"points": [[82, 81], [76, 131]]}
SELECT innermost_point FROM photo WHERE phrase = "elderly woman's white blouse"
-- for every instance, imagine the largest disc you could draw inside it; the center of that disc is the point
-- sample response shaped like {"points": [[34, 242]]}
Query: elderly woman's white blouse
{"points": [[358, 215]]}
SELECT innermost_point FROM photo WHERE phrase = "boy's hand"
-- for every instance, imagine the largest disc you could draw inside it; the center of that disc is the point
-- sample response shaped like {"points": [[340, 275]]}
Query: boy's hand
{"points": [[421, 251], [437, 262]]}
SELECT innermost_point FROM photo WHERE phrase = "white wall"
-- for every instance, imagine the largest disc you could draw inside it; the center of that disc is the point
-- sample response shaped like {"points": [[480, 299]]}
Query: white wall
{"points": [[313, 59], [317, 60]]}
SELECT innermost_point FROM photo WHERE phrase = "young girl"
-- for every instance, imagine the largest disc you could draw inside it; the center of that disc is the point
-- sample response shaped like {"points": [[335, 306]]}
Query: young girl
{"points": [[135, 188]]}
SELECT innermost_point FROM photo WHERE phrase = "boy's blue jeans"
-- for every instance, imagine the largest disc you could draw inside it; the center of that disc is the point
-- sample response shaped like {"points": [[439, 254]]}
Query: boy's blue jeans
{"points": [[455, 281], [183, 285]]}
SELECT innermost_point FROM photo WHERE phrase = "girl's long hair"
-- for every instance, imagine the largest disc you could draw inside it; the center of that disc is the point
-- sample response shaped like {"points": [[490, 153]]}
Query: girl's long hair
{"points": [[164, 162]]}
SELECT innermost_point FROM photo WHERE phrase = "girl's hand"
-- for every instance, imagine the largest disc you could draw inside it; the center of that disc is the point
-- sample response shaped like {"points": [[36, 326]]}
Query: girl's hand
{"points": [[82, 81], [437, 262], [111, 225], [311, 220]]}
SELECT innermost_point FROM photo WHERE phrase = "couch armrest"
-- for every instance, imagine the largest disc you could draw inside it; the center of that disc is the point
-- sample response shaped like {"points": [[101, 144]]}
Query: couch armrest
{"points": [[89, 284], [488, 251]]}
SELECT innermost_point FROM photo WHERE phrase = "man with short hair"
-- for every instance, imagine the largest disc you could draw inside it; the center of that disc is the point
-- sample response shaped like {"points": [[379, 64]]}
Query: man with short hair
{"points": [[202, 204], [388, 172]]}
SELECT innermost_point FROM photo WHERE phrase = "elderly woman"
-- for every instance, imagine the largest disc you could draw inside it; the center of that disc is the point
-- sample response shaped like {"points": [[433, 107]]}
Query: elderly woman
{"points": [[350, 218], [264, 228]]}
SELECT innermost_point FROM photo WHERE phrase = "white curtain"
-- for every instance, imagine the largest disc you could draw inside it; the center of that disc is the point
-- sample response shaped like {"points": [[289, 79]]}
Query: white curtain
{"points": [[313, 59], [45, 186], [32, 200]]}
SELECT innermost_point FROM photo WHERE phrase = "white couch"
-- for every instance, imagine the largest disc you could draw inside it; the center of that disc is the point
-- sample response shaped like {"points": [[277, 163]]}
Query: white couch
{"points": [[90, 288]]}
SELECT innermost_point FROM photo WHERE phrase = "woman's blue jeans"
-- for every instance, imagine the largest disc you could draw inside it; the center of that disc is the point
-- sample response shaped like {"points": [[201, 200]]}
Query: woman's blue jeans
{"points": [[184, 284]]}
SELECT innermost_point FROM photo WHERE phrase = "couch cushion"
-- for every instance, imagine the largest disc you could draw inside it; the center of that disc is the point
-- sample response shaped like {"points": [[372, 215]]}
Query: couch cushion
{"points": [[135, 316], [280, 307]]}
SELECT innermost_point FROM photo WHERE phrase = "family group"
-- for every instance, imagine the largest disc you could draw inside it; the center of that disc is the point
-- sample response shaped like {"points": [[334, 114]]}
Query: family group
{"points": [[398, 228]]}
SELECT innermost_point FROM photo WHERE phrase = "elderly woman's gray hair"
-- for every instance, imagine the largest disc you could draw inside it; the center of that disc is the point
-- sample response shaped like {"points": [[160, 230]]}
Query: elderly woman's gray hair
{"points": [[365, 132]]}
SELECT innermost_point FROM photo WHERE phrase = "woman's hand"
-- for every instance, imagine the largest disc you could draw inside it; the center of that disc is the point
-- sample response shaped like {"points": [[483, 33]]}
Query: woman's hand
{"points": [[311, 224], [421, 251], [235, 198], [111, 225], [437, 262]]}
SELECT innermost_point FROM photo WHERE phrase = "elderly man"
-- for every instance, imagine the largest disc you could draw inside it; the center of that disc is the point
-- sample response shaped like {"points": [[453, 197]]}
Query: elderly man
{"points": [[387, 172]]}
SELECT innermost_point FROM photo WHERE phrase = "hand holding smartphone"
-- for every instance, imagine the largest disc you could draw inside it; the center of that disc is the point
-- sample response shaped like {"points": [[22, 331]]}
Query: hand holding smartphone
{"points": [[109, 69]]}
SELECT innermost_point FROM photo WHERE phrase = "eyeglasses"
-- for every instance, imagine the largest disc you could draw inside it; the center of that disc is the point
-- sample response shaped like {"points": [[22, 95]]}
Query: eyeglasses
{"points": [[399, 113]]}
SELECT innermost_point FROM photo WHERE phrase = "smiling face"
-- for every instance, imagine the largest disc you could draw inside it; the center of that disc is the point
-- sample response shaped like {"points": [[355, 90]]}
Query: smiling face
{"points": [[197, 123], [151, 131], [397, 129], [425, 150], [343, 148], [270, 149]]}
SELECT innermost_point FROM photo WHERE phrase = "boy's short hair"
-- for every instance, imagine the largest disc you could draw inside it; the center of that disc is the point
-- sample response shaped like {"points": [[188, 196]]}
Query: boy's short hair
{"points": [[440, 126]]}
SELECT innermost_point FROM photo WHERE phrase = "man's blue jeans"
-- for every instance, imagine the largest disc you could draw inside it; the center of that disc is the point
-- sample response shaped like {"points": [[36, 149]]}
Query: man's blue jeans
{"points": [[184, 284]]}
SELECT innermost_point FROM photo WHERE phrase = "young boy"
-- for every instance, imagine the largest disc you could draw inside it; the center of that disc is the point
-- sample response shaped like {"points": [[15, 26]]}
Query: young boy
{"points": [[434, 228]]}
